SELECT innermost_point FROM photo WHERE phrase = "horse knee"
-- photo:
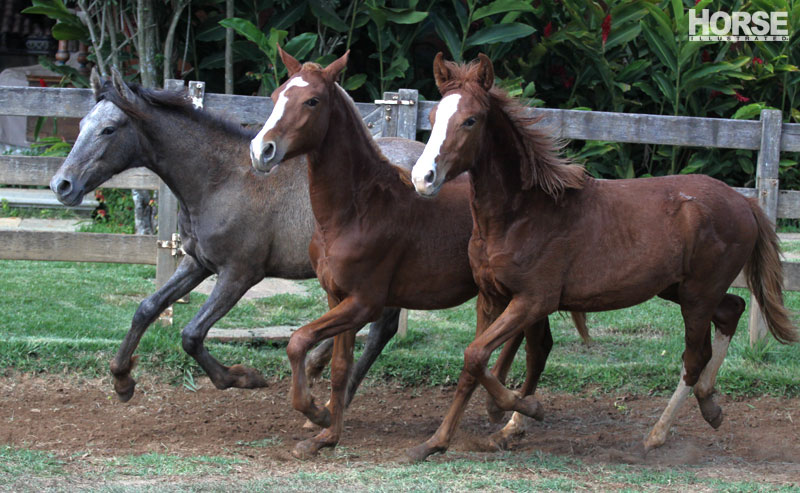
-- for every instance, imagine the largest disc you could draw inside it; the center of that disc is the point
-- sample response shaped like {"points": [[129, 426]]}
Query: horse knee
{"points": [[297, 347], [475, 360], [144, 312]]}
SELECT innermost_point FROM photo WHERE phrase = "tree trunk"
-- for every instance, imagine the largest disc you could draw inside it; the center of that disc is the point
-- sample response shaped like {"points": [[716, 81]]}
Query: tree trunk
{"points": [[229, 50], [143, 210]]}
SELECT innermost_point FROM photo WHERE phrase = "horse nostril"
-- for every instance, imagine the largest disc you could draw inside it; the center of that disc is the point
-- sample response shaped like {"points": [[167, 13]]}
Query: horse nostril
{"points": [[64, 187], [268, 151], [430, 176]]}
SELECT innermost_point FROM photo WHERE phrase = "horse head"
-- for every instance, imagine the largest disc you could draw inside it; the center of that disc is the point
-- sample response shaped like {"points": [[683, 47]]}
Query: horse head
{"points": [[458, 123], [299, 119], [107, 144]]}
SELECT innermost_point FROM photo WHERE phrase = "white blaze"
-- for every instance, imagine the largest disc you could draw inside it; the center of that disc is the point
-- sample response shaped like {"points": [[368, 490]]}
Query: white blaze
{"points": [[427, 161], [275, 116]]}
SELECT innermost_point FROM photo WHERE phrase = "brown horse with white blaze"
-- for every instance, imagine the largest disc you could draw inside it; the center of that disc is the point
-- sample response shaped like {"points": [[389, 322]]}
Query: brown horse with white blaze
{"points": [[548, 237], [376, 242]]}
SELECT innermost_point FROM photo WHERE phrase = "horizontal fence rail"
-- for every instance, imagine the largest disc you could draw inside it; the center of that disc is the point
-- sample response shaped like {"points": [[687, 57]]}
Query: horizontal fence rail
{"points": [[399, 114]]}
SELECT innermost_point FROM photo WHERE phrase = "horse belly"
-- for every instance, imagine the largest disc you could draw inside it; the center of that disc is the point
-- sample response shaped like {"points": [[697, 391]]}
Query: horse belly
{"points": [[599, 293]]}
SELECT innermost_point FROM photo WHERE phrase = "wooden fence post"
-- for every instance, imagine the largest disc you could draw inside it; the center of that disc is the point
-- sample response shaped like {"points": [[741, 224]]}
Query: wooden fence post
{"points": [[400, 120], [767, 192], [168, 249]]}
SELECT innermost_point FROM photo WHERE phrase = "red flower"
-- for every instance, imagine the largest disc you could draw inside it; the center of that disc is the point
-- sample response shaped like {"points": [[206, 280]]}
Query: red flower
{"points": [[706, 56], [696, 2], [101, 212], [548, 29], [757, 60], [741, 98], [42, 83], [606, 28], [713, 94], [568, 81], [99, 196]]}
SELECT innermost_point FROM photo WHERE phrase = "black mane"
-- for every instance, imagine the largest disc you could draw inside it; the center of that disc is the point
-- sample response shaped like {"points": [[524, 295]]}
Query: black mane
{"points": [[176, 101]]}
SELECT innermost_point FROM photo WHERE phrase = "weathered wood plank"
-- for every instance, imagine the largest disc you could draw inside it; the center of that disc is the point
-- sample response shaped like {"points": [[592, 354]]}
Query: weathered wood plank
{"points": [[37, 197], [389, 119], [788, 201], [274, 333], [791, 277], [77, 247], [32, 170], [638, 128], [570, 124], [45, 101], [790, 137]]}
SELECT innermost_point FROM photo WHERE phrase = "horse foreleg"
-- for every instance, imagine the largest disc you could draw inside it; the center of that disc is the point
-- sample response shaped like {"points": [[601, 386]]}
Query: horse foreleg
{"points": [[340, 371], [501, 368], [347, 315], [227, 292], [517, 316], [725, 319], [380, 333], [188, 275], [538, 343]]}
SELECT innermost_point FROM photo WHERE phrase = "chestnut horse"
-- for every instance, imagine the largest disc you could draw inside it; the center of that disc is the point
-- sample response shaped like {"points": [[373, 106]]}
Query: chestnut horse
{"points": [[376, 242], [548, 237]]}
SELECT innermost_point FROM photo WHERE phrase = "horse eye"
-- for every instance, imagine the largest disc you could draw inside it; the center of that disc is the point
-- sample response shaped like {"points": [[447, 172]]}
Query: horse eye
{"points": [[312, 102], [108, 131], [469, 122]]}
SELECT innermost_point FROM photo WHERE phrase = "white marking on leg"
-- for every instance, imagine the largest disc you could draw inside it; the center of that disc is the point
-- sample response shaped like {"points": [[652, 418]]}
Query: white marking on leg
{"points": [[658, 435], [708, 377], [274, 117], [515, 426], [427, 161]]}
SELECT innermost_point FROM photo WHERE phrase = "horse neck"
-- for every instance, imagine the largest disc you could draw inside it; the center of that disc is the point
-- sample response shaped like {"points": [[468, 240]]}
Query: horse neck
{"points": [[496, 181], [344, 165], [191, 156]]}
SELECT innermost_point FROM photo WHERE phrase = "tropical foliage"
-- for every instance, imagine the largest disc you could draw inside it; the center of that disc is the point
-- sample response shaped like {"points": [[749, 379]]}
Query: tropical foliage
{"points": [[611, 55]]}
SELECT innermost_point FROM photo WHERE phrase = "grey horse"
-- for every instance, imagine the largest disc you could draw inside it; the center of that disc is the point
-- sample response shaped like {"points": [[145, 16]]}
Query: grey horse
{"points": [[233, 222]]}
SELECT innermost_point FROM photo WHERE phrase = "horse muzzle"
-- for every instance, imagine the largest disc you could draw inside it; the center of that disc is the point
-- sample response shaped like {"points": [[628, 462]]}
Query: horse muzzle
{"points": [[67, 192], [268, 157]]}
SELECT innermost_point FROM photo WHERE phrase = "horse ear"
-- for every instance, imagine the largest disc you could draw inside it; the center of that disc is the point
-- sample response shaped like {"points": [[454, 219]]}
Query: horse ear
{"points": [[336, 67], [441, 72], [292, 65], [121, 87], [95, 82], [485, 76]]}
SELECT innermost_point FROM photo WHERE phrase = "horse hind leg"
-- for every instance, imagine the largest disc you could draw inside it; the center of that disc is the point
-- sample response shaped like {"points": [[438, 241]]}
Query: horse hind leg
{"points": [[227, 292], [726, 318], [539, 342], [501, 369]]}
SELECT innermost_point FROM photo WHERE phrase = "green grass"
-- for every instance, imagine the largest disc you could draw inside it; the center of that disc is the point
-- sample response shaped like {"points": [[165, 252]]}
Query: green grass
{"points": [[26, 470], [71, 316]]}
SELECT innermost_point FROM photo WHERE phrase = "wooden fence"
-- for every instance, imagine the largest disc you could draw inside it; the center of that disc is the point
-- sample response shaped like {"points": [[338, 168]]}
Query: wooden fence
{"points": [[398, 114]]}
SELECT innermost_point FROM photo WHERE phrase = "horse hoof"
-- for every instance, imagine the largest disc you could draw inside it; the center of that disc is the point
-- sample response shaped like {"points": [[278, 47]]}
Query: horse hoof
{"points": [[711, 412], [310, 448], [498, 441], [246, 378], [419, 453], [124, 387], [531, 407]]}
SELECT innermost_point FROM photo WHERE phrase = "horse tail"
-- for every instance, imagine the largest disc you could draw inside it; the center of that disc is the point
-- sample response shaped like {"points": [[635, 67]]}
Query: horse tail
{"points": [[765, 278], [579, 319]]}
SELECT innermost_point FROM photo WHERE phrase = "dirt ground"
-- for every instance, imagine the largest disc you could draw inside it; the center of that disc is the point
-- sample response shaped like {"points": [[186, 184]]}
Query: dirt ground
{"points": [[759, 439]]}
